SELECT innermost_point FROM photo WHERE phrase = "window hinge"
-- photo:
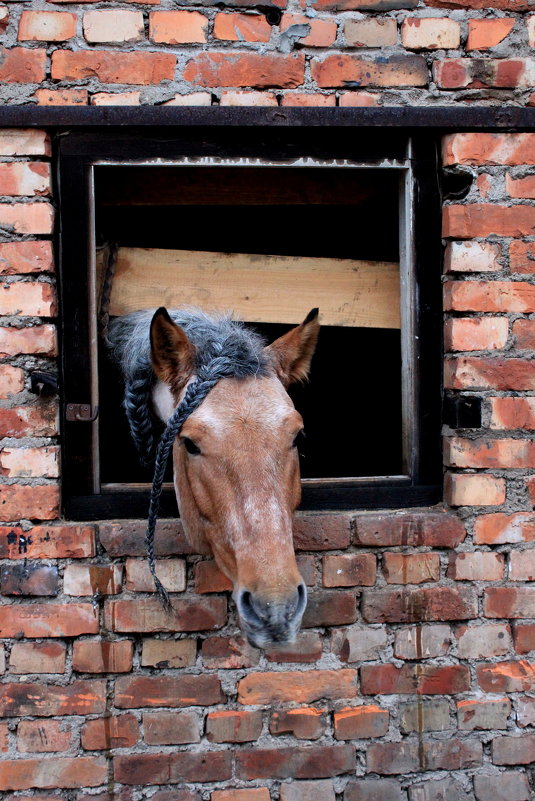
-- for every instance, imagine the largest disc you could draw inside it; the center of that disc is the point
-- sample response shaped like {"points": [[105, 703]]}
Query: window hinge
{"points": [[81, 412]]}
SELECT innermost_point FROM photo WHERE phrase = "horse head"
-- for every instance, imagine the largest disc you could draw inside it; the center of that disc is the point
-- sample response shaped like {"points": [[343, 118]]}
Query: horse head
{"points": [[236, 470]]}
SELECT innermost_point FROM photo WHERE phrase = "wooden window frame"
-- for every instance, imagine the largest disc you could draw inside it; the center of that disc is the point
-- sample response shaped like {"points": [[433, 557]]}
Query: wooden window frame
{"points": [[416, 153]]}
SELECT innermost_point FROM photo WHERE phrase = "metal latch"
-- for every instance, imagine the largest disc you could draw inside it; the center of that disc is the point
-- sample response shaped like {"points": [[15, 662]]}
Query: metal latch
{"points": [[81, 412]]}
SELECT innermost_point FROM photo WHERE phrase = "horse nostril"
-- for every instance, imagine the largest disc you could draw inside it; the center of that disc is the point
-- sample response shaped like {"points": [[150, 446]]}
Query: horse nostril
{"points": [[246, 609]]}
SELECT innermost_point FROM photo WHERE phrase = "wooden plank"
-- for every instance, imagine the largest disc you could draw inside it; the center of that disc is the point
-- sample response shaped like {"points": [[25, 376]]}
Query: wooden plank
{"points": [[258, 288]]}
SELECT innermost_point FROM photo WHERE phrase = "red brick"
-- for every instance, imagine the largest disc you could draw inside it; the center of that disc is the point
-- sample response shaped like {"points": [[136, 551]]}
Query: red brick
{"points": [[482, 715], [520, 187], [300, 687], [472, 257], [371, 32], [487, 640], [171, 572], [48, 700], [321, 532], [392, 758], [25, 178], [429, 715], [474, 489], [28, 579], [486, 33], [415, 568], [490, 296], [37, 657], [509, 602], [330, 608], [236, 27], [115, 731], [190, 99], [498, 529], [411, 756], [360, 722], [430, 33], [511, 413], [171, 728], [506, 677], [313, 762], [178, 27], [514, 750], [476, 566], [31, 503], [39, 420], [476, 333], [43, 736], [524, 638], [483, 220], [209, 578], [229, 726], [246, 69], [91, 579], [25, 257], [168, 653], [27, 218], [522, 257], [306, 648], [484, 183], [358, 99], [433, 529], [48, 620], [116, 99], [391, 71], [28, 297], [4, 737], [172, 691], [61, 97], [530, 486], [22, 65], [494, 453], [24, 142], [46, 26], [11, 380], [525, 711], [506, 786], [488, 149], [100, 656], [127, 538], [148, 615], [30, 462], [113, 25], [418, 605], [260, 794], [47, 542], [228, 652], [172, 768], [349, 570], [305, 723], [45, 774], [142, 68], [422, 679], [362, 5], [479, 73], [244, 98], [524, 334], [422, 642], [302, 99], [321, 32], [371, 790]]}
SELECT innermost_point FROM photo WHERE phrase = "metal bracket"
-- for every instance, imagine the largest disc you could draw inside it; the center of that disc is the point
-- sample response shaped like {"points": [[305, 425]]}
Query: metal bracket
{"points": [[81, 412]]}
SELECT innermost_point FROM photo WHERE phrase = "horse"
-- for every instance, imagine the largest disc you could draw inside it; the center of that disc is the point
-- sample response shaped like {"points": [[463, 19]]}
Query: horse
{"points": [[233, 429]]}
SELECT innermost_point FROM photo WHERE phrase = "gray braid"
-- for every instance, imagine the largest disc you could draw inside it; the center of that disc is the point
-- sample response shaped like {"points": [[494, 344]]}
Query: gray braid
{"points": [[137, 397]]}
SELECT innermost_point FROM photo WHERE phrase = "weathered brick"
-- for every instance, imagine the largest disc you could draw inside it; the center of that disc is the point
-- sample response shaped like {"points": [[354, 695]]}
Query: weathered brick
{"points": [[48, 620], [433, 529], [307, 647], [91, 579], [524, 334], [360, 722], [171, 728], [24, 142], [233, 726], [40, 420], [300, 687], [514, 750], [27, 297], [25, 178], [418, 605], [245, 69], [113, 25], [506, 677], [47, 542], [474, 489], [46, 26], [507, 786], [371, 32], [320, 790], [373, 790], [392, 758], [171, 572], [476, 333], [22, 65], [141, 68], [190, 99], [179, 27], [321, 32], [417, 568], [228, 652], [358, 99], [61, 97], [488, 149], [430, 33], [37, 657], [472, 257], [305, 723], [172, 691], [362, 5], [48, 700], [237, 27], [501, 453], [247, 98], [172, 768], [30, 462], [168, 653], [209, 578], [11, 380], [321, 532], [509, 602], [522, 566], [39, 503], [424, 716], [397, 70], [421, 679], [114, 731], [28, 579], [439, 790], [422, 642], [476, 566], [487, 714], [101, 656], [525, 711], [314, 762], [349, 570], [497, 529], [490, 296], [330, 608], [45, 774], [358, 643], [483, 220], [524, 637], [250, 794], [127, 538], [486, 33], [115, 99], [148, 615], [511, 413], [522, 257], [43, 736]]}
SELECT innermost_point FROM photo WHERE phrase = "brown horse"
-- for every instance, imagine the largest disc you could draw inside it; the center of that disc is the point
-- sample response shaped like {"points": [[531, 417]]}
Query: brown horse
{"points": [[236, 466]]}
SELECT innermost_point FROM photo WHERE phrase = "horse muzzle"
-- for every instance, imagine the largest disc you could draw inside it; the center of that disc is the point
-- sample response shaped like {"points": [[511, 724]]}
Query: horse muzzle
{"points": [[268, 622]]}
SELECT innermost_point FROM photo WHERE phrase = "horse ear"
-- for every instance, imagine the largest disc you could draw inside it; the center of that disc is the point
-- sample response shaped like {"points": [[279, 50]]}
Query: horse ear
{"points": [[292, 353], [173, 355]]}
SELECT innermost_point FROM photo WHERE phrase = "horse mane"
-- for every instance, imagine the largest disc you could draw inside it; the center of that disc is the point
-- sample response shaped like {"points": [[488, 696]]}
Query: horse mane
{"points": [[218, 339]]}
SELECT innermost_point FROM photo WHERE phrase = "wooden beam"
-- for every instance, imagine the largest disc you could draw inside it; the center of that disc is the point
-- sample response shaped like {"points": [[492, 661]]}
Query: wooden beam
{"points": [[258, 288]]}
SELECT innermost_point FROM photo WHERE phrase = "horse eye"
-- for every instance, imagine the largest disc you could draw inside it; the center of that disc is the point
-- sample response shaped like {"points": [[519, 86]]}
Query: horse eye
{"points": [[298, 439], [190, 446]]}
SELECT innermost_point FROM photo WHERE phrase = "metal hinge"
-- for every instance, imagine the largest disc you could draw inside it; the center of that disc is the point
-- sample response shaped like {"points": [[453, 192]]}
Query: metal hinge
{"points": [[81, 412]]}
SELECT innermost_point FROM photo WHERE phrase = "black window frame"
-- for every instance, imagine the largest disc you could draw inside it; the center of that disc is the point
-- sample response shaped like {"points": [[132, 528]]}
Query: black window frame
{"points": [[76, 153]]}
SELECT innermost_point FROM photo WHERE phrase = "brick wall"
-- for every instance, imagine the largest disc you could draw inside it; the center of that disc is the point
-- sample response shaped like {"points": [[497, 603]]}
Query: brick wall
{"points": [[298, 52], [413, 678]]}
